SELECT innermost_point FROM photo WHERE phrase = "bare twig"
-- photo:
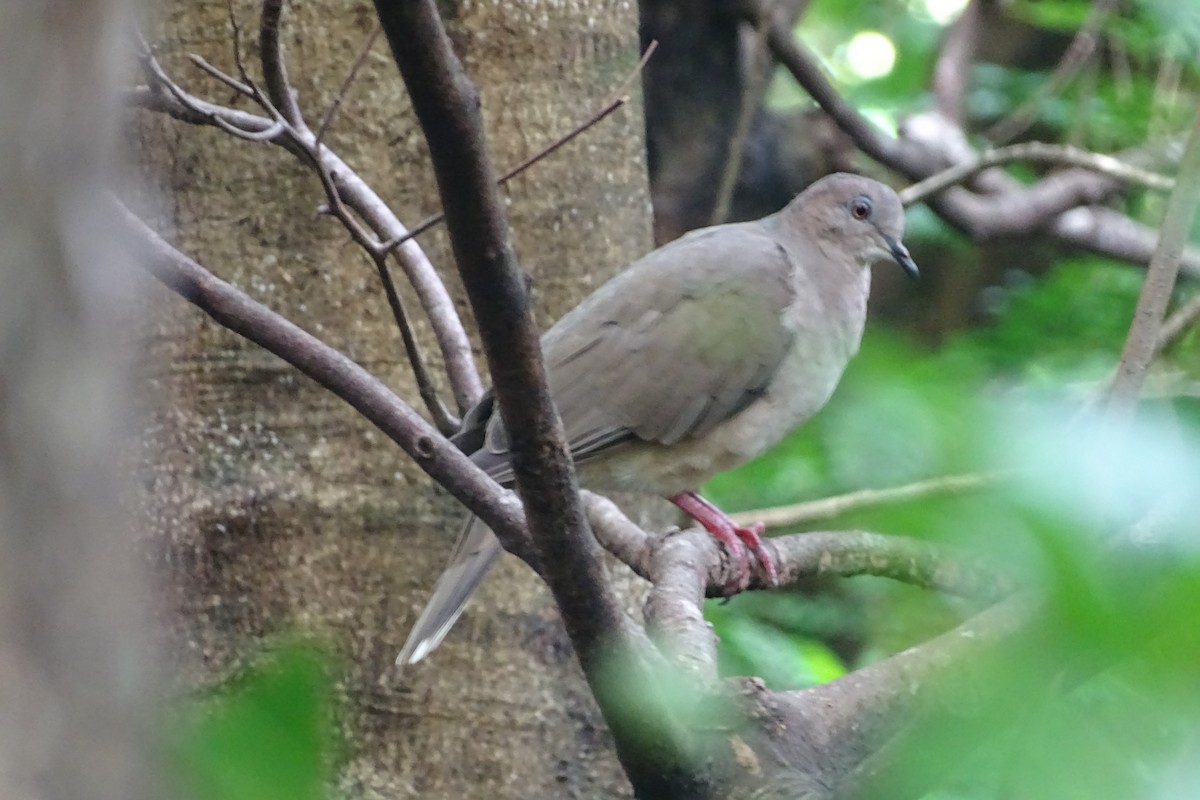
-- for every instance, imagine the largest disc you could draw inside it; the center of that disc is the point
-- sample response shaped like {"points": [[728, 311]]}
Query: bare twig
{"points": [[752, 96], [1140, 346], [237, 311], [279, 89], [1056, 204], [620, 98], [619, 535], [241, 87], [336, 104], [166, 96], [1078, 53], [681, 569], [1036, 153], [1177, 324], [829, 507]]}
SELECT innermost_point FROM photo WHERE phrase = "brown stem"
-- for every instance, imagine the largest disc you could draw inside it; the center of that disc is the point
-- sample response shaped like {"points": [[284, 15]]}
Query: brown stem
{"points": [[1078, 53], [241, 314], [275, 77], [620, 98], [829, 507], [651, 746], [1035, 153], [753, 88], [166, 96], [336, 104], [1140, 346]]}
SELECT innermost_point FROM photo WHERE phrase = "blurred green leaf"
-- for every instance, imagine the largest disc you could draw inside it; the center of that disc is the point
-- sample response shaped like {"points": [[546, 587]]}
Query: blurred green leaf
{"points": [[268, 736]]}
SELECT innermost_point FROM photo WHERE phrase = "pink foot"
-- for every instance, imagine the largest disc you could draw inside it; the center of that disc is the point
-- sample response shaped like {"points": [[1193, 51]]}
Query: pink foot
{"points": [[737, 540]]}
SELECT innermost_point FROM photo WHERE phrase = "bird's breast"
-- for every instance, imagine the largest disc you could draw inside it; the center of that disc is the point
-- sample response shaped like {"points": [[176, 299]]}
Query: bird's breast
{"points": [[822, 345]]}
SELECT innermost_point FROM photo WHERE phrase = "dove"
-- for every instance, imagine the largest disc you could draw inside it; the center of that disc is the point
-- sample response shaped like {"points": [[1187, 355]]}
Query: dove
{"points": [[695, 359]]}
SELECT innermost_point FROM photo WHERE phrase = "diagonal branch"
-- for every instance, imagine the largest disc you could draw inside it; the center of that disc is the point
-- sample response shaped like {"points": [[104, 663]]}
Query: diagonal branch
{"points": [[1078, 53], [829, 507], [651, 746], [1141, 344], [620, 98], [1056, 204], [165, 96], [243, 315]]}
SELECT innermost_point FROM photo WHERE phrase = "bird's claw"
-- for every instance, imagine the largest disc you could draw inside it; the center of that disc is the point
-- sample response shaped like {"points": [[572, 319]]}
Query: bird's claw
{"points": [[740, 541]]}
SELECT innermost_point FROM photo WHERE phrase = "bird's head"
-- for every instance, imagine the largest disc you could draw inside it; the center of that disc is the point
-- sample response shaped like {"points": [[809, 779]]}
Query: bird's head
{"points": [[861, 216]]}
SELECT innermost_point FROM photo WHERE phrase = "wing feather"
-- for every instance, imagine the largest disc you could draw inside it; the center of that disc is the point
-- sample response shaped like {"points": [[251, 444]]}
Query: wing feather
{"points": [[682, 340]]}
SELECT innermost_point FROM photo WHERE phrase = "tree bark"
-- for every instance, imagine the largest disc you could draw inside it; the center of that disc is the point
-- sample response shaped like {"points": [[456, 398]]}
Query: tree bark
{"points": [[275, 507]]}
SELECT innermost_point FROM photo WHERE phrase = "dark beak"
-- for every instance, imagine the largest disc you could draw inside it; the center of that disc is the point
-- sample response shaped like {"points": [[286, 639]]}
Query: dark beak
{"points": [[900, 253]]}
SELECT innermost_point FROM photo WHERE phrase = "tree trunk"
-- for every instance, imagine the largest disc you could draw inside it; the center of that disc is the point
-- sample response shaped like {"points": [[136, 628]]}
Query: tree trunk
{"points": [[76, 677], [275, 507]]}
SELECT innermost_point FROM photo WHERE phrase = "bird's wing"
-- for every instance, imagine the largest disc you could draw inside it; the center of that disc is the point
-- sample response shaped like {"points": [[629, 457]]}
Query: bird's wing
{"points": [[684, 339]]}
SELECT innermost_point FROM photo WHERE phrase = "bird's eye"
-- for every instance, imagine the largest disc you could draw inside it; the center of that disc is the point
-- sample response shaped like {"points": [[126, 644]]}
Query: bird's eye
{"points": [[860, 207]]}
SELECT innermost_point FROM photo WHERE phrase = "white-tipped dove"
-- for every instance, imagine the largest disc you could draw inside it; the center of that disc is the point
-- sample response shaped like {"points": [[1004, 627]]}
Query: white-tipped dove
{"points": [[693, 360]]}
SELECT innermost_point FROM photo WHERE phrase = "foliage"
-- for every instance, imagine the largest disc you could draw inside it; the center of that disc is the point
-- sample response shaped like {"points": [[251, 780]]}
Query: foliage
{"points": [[268, 735]]}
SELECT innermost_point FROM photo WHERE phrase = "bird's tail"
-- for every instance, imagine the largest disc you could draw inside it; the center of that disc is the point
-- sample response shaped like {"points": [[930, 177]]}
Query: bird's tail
{"points": [[475, 553]]}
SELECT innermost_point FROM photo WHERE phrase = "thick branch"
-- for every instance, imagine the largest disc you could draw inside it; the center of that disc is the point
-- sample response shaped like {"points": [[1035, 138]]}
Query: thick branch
{"points": [[447, 105], [871, 140], [241, 314], [850, 553]]}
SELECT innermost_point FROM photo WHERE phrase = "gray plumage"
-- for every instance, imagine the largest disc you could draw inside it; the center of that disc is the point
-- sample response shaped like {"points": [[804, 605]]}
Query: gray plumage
{"points": [[696, 358]]}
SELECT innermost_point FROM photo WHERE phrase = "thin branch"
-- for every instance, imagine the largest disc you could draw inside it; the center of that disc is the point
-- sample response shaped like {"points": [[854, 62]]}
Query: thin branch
{"points": [[1036, 153], [807, 71], [1140, 346], [829, 507], [336, 104], [678, 567], [236, 311], [1054, 204], [446, 422], [1078, 53], [279, 89], [241, 87], [166, 96], [618, 534], [752, 96], [620, 98], [653, 749], [1177, 324], [447, 105], [435, 219]]}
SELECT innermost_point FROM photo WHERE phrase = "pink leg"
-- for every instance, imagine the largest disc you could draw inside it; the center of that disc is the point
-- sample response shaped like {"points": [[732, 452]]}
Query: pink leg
{"points": [[735, 538]]}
